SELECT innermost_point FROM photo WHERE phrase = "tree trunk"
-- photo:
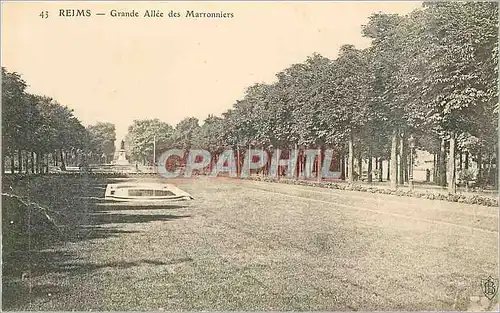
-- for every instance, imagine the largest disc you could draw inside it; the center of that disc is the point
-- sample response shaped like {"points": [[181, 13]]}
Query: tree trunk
{"points": [[298, 165], [42, 163], [407, 163], [303, 164], [295, 170], [32, 162], [269, 162], [370, 168], [12, 163], [434, 168], [394, 160], [350, 162], [237, 161], [495, 178], [346, 166], [360, 166], [452, 188], [342, 167], [442, 164], [438, 170], [39, 163], [380, 169], [466, 165], [389, 169], [402, 160], [26, 163], [4, 160], [47, 165], [490, 170], [318, 165], [479, 166], [63, 165], [460, 165], [19, 161]]}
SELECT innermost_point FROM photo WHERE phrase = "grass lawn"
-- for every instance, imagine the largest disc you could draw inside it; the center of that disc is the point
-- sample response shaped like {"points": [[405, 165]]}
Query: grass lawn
{"points": [[243, 245]]}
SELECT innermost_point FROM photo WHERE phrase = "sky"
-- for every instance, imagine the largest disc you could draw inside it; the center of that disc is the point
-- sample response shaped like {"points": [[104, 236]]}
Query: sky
{"points": [[117, 70]]}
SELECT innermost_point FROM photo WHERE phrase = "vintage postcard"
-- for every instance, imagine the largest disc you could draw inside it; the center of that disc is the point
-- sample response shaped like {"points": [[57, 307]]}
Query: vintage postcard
{"points": [[250, 156]]}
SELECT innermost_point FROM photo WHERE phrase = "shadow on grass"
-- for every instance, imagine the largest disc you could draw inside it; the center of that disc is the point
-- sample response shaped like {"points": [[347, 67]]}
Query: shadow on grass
{"points": [[33, 244], [117, 218], [87, 267], [19, 270], [95, 224], [109, 207], [17, 296], [91, 233], [23, 265]]}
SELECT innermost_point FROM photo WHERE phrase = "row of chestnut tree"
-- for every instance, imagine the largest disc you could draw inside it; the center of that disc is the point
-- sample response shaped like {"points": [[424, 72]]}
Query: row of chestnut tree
{"points": [[38, 132], [431, 75]]}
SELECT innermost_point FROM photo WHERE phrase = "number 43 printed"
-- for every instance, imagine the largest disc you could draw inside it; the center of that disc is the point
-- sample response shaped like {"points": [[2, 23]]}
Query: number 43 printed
{"points": [[44, 14]]}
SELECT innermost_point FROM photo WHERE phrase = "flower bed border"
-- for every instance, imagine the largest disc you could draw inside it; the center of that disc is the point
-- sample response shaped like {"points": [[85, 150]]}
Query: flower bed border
{"points": [[460, 198]]}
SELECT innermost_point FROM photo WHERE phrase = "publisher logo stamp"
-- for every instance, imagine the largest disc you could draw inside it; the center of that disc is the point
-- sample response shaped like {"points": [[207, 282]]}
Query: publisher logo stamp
{"points": [[489, 286]]}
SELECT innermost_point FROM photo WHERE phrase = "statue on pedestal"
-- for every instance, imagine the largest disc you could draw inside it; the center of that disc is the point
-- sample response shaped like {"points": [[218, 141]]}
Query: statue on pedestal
{"points": [[122, 155]]}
